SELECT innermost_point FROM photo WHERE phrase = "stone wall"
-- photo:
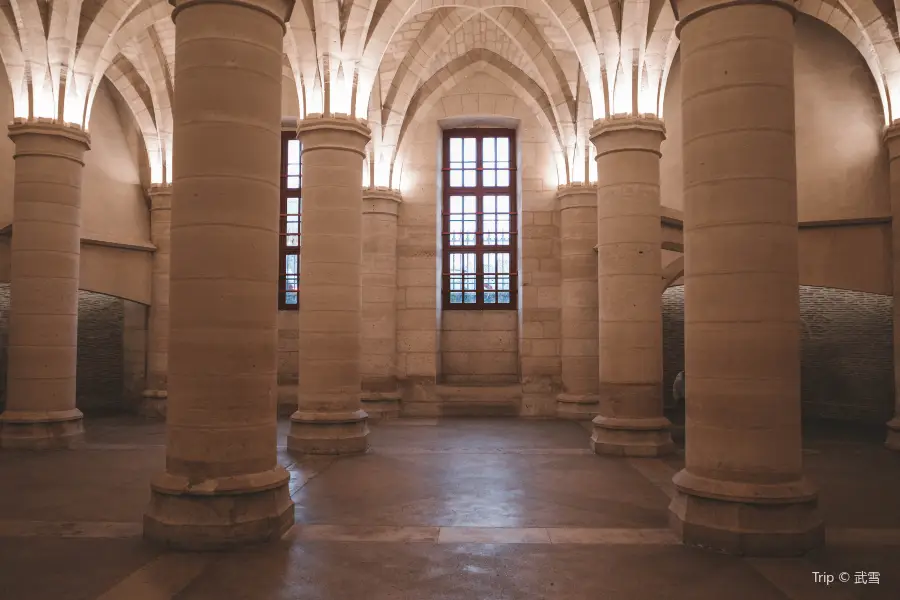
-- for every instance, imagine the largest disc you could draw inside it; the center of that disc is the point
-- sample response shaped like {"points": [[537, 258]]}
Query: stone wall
{"points": [[101, 352], [480, 347], [846, 362]]}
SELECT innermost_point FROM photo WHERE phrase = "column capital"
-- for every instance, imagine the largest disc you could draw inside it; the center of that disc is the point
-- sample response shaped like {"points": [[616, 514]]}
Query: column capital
{"points": [[160, 196], [633, 133], [280, 10], [335, 132], [688, 10], [49, 137], [892, 139], [381, 200], [577, 195]]}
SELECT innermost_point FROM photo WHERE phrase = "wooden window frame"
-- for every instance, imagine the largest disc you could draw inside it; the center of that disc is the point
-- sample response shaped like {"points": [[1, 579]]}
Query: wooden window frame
{"points": [[479, 191], [283, 249]]}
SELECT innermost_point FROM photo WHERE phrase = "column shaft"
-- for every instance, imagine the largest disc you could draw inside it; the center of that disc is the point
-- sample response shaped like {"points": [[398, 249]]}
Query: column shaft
{"points": [[742, 489], [578, 234], [379, 303], [222, 485], [629, 264], [154, 404], [329, 418], [44, 271], [892, 138]]}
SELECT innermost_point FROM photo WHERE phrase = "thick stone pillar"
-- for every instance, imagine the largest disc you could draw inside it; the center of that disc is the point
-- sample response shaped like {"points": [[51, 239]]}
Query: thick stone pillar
{"points": [[578, 232], [44, 270], [378, 365], [154, 397], [892, 139], [222, 485], [742, 489], [329, 417], [629, 264]]}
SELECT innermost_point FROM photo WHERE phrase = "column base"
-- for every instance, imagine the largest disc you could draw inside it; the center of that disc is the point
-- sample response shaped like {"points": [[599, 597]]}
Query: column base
{"points": [[219, 514], [381, 405], [577, 407], [153, 404], [328, 433], [645, 438], [41, 430], [893, 434], [746, 519]]}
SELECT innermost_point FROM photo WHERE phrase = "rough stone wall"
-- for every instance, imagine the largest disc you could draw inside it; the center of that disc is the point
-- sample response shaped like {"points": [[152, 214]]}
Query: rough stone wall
{"points": [[134, 353], [101, 352], [847, 349]]}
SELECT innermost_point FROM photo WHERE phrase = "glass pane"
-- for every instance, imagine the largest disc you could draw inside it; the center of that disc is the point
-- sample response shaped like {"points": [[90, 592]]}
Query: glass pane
{"points": [[293, 152], [293, 169], [502, 204], [490, 202], [455, 178], [490, 263], [293, 183], [503, 263], [502, 148], [471, 205], [490, 178], [490, 297], [293, 206], [503, 297], [456, 149], [469, 297], [293, 224], [290, 283], [487, 150], [290, 264], [292, 241], [456, 297], [455, 204], [502, 178], [469, 149], [290, 298]]}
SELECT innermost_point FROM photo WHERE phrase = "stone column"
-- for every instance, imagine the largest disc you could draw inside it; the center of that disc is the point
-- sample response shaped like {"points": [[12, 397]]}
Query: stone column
{"points": [[378, 366], [578, 232], [154, 397], [892, 139], [44, 270], [222, 485], [330, 418], [742, 489], [629, 269]]}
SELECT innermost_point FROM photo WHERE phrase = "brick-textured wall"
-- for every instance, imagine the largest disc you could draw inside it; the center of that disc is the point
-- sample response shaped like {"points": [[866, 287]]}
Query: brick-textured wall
{"points": [[100, 351], [480, 346], [134, 353], [847, 350]]}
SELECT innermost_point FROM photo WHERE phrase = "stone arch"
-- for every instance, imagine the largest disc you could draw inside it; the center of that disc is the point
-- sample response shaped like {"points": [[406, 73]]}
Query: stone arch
{"points": [[432, 92], [672, 272], [559, 12]]}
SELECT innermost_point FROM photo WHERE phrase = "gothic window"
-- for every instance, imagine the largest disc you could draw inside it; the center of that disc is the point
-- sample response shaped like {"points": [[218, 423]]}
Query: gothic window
{"points": [[479, 224], [291, 219]]}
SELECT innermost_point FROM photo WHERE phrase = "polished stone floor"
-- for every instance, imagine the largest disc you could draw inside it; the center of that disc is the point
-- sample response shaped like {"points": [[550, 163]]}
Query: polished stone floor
{"points": [[445, 509]]}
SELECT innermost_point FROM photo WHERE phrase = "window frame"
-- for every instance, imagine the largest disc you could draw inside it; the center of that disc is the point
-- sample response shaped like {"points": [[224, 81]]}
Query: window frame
{"points": [[479, 191], [283, 249]]}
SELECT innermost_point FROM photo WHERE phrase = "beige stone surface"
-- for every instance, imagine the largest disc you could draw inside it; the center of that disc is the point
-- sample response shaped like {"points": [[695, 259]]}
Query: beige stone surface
{"points": [[378, 337], [578, 294], [742, 489], [43, 321], [329, 417], [629, 262], [155, 394], [222, 485]]}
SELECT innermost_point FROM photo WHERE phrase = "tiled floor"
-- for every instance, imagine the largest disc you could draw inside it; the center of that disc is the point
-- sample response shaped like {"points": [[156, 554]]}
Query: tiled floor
{"points": [[438, 510]]}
